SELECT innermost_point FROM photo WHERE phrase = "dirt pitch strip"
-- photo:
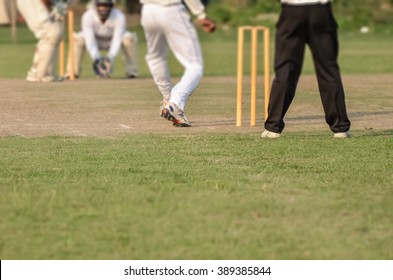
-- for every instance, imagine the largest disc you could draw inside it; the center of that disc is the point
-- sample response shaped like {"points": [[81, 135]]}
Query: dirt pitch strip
{"points": [[107, 108]]}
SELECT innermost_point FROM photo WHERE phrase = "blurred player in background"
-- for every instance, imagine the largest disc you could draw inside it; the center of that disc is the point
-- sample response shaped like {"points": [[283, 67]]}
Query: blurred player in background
{"points": [[45, 19], [167, 24], [104, 29]]}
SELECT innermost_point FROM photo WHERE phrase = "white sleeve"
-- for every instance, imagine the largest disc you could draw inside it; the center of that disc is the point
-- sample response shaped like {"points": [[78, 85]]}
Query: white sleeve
{"points": [[88, 35], [118, 32], [196, 7]]}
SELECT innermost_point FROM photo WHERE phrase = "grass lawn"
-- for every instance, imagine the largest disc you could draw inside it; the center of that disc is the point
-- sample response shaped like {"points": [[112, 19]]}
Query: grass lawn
{"points": [[201, 197]]}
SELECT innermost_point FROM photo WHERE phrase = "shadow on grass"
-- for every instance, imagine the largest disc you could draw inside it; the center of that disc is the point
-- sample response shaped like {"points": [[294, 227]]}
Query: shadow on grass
{"points": [[371, 133], [351, 114], [215, 123]]}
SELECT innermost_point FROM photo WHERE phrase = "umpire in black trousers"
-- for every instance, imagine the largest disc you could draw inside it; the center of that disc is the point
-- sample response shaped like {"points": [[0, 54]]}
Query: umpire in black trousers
{"points": [[308, 22]]}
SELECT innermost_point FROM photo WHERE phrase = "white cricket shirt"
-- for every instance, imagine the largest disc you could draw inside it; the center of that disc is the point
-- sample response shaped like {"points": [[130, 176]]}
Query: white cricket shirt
{"points": [[196, 7], [112, 30]]}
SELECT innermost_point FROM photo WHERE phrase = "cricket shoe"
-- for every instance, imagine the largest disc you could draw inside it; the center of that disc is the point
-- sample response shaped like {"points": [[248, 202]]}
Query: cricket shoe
{"points": [[131, 76], [342, 135], [32, 77], [270, 134], [173, 113], [67, 76]]}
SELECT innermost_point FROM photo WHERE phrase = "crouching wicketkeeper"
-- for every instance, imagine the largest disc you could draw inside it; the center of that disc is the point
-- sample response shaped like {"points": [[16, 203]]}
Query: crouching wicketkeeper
{"points": [[104, 29]]}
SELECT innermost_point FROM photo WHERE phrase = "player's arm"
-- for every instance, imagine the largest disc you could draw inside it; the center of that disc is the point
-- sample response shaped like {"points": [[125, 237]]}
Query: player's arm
{"points": [[119, 30], [89, 36], [198, 9]]}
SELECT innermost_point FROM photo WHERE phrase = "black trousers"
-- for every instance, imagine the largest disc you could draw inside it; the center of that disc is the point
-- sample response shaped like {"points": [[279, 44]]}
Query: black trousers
{"points": [[313, 25]]}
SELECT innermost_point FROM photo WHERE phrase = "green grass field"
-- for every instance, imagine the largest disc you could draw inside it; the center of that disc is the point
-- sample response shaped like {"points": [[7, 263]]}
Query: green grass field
{"points": [[195, 193], [225, 196]]}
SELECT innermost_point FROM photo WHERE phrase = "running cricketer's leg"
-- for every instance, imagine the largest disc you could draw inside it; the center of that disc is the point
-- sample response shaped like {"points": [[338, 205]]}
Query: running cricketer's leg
{"points": [[184, 42], [156, 60], [130, 50]]}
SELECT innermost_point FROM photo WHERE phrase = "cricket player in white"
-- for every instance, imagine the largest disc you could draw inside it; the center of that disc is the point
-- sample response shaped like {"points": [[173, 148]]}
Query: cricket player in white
{"points": [[44, 19], [104, 28], [167, 24]]}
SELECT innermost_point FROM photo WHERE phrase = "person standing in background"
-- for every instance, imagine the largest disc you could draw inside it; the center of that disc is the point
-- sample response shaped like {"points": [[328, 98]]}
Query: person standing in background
{"points": [[45, 19]]}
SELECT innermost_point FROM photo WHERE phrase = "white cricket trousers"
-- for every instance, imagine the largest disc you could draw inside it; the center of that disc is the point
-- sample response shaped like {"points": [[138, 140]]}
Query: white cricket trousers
{"points": [[171, 26], [49, 34]]}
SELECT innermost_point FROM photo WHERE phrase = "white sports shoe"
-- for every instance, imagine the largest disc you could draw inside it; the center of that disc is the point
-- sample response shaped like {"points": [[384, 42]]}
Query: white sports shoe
{"points": [[67, 76], [173, 113], [342, 135], [32, 77], [270, 134]]}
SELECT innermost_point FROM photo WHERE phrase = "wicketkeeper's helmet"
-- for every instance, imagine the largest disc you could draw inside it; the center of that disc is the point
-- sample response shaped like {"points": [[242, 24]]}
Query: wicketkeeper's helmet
{"points": [[104, 14], [105, 2]]}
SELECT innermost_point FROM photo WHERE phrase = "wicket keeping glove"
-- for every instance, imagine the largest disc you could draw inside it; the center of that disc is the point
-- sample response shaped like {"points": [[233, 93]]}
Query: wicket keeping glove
{"points": [[59, 10], [102, 67]]}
